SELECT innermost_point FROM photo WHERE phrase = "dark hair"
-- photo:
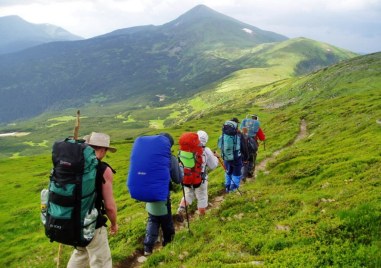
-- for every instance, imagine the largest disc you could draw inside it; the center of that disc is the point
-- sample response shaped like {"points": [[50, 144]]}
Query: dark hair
{"points": [[171, 141], [235, 119]]}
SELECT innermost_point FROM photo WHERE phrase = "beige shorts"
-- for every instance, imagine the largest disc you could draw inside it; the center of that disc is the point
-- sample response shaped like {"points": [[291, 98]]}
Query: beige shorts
{"points": [[97, 253]]}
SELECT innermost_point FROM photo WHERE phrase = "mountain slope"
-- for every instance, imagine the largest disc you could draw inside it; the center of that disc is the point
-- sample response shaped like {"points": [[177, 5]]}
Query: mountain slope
{"points": [[173, 60], [17, 34], [317, 202]]}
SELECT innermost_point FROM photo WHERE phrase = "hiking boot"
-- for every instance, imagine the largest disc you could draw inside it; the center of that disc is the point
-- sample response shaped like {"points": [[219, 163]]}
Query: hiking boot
{"points": [[147, 253], [179, 217]]}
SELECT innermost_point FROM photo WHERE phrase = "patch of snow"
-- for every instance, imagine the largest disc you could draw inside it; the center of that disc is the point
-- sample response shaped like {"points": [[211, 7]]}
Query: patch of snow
{"points": [[247, 30], [161, 97]]}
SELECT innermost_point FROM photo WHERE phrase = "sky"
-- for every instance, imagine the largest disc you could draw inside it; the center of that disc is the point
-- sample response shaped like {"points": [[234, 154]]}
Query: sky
{"points": [[354, 25]]}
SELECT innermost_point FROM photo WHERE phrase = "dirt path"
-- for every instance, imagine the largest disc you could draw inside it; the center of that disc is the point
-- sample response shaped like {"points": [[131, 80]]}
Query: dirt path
{"points": [[302, 134], [138, 258]]}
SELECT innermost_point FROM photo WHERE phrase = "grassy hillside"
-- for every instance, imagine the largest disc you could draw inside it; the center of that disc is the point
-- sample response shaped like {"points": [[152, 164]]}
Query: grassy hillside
{"points": [[316, 204], [272, 62]]}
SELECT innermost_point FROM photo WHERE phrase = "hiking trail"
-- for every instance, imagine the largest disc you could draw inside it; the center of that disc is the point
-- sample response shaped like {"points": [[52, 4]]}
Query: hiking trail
{"points": [[138, 258]]}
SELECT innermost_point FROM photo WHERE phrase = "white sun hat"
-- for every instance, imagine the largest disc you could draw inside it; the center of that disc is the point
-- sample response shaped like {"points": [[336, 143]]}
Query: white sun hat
{"points": [[100, 140]]}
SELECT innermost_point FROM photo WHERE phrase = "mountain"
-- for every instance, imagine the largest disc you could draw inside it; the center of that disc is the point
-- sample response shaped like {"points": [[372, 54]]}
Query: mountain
{"points": [[17, 34], [174, 60]]}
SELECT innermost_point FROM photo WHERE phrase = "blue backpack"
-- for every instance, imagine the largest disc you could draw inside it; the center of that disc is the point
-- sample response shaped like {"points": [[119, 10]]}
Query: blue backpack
{"points": [[230, 142], [251, 125], [149, 175]]}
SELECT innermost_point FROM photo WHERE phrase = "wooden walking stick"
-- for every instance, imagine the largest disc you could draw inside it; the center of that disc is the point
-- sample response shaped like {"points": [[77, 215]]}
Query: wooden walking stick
{"points": [[76, 128], [59, 255]]}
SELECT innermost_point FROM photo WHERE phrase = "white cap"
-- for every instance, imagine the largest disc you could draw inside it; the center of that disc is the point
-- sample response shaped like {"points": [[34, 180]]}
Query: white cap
{"points": [[203, 137]]}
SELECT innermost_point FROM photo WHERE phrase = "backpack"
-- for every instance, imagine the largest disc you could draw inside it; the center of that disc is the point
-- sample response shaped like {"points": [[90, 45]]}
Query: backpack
{"points": [[70, 216], [149, 177], [190, 155], [230, 142], [251, 125], [230, 128], [252, 146]]}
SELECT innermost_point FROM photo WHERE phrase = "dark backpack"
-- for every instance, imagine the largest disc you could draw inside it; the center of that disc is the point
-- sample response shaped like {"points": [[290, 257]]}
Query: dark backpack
{"points": [[71, 216], [230, 142], [230, 128], [252, 146], [149, 175], [190, 155]]}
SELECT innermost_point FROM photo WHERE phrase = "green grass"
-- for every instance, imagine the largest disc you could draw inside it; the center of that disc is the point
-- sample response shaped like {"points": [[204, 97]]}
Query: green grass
{"points": [[318, 204]]}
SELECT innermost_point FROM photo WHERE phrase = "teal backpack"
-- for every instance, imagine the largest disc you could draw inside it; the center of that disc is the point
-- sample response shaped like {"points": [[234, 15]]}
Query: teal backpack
{"points": [[69, 215], [229, 142]]}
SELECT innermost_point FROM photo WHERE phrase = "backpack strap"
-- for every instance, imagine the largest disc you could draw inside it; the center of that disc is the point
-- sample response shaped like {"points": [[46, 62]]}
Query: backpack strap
{"points": [[99, 203]]}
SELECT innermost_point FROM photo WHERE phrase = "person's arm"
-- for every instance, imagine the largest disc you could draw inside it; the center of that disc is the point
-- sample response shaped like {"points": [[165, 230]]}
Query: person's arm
{"points": [[177, 173], [211, 159], [109, 201], [260, 135]]}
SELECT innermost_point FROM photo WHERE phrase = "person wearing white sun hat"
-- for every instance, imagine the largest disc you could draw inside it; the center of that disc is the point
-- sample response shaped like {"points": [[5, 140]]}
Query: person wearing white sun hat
{"points": [[98, 253], [209, 161]]}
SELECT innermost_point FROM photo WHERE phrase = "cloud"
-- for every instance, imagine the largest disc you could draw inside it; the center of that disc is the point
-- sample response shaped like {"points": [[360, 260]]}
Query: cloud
{"points": [[339, 22]]}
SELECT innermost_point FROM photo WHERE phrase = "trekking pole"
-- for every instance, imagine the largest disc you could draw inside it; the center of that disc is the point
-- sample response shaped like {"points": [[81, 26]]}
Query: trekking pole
{"points": [[231, 179], [186, 208], [221, 162]]}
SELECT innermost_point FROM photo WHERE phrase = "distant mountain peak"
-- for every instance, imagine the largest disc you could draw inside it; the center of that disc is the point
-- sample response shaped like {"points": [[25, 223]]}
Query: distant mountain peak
{"points": [[199, 12], [17, 34]]}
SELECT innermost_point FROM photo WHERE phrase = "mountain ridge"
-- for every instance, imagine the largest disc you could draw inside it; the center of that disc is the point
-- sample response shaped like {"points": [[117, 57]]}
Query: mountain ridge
{"points": [[134, 64], [17, 34]]}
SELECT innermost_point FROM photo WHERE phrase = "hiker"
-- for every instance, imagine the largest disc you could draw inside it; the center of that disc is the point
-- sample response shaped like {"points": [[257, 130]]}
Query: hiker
{"points": [[252, 147], [259, 136], [97, 253], [233, 151], [252, 124], [209, 161], [254, 131], [159, 212]]}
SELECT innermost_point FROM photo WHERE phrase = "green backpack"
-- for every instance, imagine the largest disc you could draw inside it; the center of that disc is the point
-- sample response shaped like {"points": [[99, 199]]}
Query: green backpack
{"points": [[187, 158], [69, 215]]}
